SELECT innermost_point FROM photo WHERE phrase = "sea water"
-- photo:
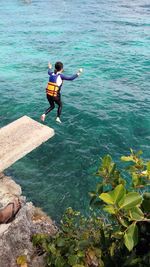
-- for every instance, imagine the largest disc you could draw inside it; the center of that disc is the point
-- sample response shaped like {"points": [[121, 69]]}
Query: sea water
{"points": [[105, 111]]}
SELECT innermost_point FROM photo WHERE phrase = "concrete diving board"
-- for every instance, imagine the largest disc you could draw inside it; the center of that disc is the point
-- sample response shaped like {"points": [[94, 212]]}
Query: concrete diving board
{"points": [[19, 138]]}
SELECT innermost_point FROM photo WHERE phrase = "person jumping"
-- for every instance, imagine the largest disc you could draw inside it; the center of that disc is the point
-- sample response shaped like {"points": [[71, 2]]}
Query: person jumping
{"points": [[53, 88]]}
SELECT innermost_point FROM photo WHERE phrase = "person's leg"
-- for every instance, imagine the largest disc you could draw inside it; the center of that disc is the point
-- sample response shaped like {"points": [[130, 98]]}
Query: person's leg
{"points": [[8, 213], [52, 106], [59, 110]]}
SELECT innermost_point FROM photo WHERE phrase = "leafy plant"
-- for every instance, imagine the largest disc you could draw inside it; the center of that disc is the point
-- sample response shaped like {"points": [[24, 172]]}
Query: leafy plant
{"points": [[121, 235], [124, 205], [138, 169], [77, 243]]}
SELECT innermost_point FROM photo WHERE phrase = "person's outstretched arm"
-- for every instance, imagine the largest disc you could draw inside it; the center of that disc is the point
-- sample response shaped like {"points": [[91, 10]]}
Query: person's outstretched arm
{"points": [[71, 78], [68, 78]]}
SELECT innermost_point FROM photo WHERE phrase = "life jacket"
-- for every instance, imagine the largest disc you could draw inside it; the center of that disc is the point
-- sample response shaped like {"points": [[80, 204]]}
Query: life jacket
{"points": [[53, 88]]}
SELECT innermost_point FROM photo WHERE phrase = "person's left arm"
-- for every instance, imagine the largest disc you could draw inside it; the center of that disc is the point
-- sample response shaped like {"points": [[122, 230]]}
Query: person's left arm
{"points": [[69, 78]]}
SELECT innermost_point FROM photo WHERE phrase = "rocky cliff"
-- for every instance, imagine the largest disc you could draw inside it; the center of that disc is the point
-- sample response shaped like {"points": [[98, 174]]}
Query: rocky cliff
{"points": [[15, 237]]}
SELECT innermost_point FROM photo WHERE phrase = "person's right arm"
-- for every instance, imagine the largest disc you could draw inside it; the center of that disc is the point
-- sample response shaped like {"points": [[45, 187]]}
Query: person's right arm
{"points": [[49, 68]]}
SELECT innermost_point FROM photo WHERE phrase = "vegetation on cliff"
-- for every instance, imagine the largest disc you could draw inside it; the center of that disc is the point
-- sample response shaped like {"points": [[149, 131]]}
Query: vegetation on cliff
{"points": [[117, 233]]}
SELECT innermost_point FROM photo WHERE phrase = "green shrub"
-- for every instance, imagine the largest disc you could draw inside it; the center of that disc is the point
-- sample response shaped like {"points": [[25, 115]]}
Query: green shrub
{"points": [[121, 235]]}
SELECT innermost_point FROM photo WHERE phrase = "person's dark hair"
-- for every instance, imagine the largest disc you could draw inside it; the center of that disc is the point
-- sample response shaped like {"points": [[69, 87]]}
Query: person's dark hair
{"points": [[58, 66]]}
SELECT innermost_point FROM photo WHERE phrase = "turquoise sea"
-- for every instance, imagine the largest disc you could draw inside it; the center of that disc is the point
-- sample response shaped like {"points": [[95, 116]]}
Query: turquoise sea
{"points": [[106, 110]]}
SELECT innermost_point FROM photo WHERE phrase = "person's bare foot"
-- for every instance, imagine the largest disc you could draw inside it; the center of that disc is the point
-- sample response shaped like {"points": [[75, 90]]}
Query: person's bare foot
{"points": [[8, 213]]}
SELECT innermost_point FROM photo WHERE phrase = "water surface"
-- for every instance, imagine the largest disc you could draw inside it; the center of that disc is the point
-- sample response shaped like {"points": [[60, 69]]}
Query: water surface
{"points": [[106, 110]]}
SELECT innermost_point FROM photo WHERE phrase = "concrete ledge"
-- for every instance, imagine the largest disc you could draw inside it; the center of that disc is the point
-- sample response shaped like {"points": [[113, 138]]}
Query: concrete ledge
{"points": [[19, 138]]}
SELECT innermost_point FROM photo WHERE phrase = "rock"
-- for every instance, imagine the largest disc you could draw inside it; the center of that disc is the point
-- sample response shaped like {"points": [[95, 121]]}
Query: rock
{"points": [[8, 189], [38, 261], [15, 237]]}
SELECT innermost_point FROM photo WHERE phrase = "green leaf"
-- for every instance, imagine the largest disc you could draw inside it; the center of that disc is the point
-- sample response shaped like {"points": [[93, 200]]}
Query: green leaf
{"points": [[118, 234], [118, 193], [106, 161], [60, 262], [60, 242], [132, 152], [73, 259], [80, 254], [107, 198], [112, 168], [114, 196], [52, 249], [136, 214], [110, 209], [130, 201], [124, 222], [127, 158], [136, 179], [112, 249], [131, 237]]}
